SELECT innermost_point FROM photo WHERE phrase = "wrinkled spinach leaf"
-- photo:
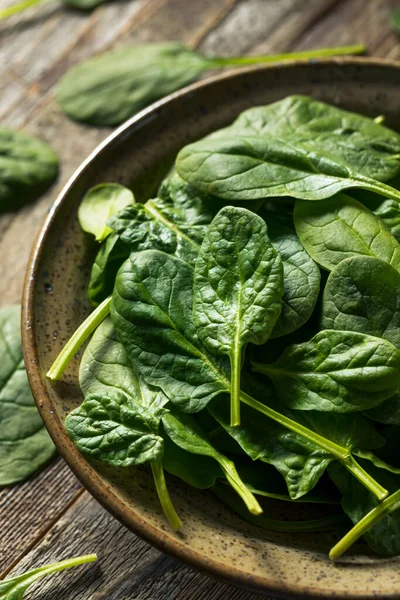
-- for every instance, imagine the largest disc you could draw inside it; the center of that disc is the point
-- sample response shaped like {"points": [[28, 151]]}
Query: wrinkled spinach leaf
{"points": [[336, 371], [238, 287], [25, 445], [389, 212], [340, 227], [28, 166], [99, 203]]}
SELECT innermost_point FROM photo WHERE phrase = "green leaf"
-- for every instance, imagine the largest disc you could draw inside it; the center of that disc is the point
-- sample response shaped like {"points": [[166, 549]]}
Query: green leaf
{"points": [[336, 371], [395, 19], [107, 89], [238, 286], [28, 167], [99, 204], [112, 253], [341, 227], [382, 528], [363, 294], [389, 212], [251, 167], [301, 278], [356, 139], [115, 429], [25, 445], [15, 588], [151, 311], [84, 4], [388, 412]]}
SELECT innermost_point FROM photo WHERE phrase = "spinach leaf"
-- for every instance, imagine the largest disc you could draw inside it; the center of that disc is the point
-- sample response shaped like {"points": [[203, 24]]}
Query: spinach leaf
{"points": [[107, 89], [389, 212], [115, 429], [15, 587], [341, 227], [379, 523], [388, 412], [363, 294], [112, 253], [25, 445], [354, 138], [312, 525], [336, 371], [301, 278], [99, 203], [300, 461], [28, 167], [238, 286], [250, 167], [84, 4]]}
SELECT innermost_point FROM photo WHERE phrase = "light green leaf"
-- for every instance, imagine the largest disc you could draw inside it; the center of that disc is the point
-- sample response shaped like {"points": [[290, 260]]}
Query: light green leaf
{"points": [[99, 204]]}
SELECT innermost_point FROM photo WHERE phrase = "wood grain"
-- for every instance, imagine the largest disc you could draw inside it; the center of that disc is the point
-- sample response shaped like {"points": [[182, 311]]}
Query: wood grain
{"points": [[49, 518]]}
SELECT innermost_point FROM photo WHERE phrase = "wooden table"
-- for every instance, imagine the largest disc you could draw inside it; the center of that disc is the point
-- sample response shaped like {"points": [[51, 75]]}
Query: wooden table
{"points": [[52, 517]]}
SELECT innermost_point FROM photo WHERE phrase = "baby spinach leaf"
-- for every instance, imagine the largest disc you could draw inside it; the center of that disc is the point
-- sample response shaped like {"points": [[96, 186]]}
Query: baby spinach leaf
{"points": [[389, 212], [238, 286], [112, 253], [379, 523], [28, 167], [241, 167], [151, 308], [25, 445], [336, 371], [363, 294], [99, 203], [319, 524], [340, 227], [15, 587], [388, 412], [115, 429], [352, 137], [107, 89], [301, 278]]}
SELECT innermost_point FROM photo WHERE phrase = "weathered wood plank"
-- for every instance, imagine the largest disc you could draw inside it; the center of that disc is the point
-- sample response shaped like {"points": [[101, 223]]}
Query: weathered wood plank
{"points": [[127, 567]]}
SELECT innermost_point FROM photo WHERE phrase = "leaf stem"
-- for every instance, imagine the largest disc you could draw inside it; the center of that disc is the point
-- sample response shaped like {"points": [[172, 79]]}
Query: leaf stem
{"points": [[384, 509], [163, 495], [240, 488], [78, 338], [339, 452], [20, 7], [251, 60], [236, 367]]}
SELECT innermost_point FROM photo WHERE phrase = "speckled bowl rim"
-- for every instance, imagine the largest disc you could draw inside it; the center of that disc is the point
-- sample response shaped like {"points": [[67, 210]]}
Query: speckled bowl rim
{"points": [[82, 469]]}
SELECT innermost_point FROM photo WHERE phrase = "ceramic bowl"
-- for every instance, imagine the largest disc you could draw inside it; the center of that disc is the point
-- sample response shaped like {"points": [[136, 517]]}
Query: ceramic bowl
{"points": [[213, 539]]}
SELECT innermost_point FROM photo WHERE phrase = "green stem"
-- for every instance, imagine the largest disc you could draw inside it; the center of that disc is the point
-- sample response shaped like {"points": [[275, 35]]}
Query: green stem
{"points": [[163, 495], [20, 7], [240, 488], [323, 524], [253, 60], [64, 564], [78, 338], [384, 509], [236, 367], [339, 452]]}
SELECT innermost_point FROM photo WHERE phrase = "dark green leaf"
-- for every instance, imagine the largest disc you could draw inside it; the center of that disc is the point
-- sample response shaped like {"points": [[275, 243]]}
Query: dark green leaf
{"points": [[25, 445], [99, 204], [301, 278], [112, 253], [389, 212], [340, 227], [107, 89], [388, 412], [28, 167], [338, 371], [84, 4]]}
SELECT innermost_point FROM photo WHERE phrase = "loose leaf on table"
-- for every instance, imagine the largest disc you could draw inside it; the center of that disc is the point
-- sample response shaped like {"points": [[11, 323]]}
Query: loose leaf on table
{"points": [[15, 587], [99, 203], [354, 138], [238, 287], [300, 461], [381, 529], [25, 445], [28, 166], [340, 227], [301, 278], [239, 167], [107, 89], [363, 294], [336, 371]]}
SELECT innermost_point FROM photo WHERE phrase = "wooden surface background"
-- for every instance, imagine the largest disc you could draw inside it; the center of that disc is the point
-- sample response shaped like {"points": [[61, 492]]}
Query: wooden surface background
{"points": [[51, 517]]}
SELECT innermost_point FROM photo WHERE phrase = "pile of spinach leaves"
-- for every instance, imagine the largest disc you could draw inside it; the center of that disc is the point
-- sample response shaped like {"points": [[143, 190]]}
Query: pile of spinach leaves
{"points": [[246, 321]]}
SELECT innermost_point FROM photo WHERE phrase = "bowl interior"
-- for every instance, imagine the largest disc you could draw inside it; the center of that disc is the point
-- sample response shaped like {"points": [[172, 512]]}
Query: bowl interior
{"points": [[138, 155]]}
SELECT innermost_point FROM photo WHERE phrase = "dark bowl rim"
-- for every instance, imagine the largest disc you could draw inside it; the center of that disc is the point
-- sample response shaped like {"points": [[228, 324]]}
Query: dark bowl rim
{"points": [[82, 469]]}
